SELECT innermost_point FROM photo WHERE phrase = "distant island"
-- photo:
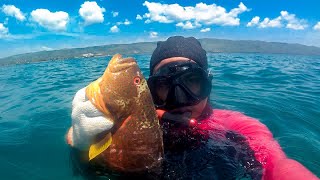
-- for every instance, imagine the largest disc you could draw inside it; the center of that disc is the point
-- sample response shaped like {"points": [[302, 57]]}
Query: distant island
{"points": [[209, 44]]}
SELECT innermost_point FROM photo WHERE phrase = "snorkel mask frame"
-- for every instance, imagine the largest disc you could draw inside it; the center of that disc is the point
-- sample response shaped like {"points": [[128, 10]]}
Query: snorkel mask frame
{"points": [[175, 74]]}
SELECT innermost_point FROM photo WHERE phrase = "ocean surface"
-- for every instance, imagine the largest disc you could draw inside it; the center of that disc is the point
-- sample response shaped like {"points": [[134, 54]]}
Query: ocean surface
{"points": [[282, 91]]}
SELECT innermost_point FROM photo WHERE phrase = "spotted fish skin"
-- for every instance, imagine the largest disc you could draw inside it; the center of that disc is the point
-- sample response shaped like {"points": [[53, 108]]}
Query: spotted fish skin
{"points": [[123, 96]]}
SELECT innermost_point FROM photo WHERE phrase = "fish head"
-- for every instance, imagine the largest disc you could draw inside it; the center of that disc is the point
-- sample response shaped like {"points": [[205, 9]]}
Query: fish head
{"points": [[121, 85]]}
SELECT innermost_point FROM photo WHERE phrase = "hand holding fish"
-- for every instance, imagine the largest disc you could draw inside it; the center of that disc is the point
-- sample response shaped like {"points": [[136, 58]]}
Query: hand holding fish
{"points": [[119, 105]]}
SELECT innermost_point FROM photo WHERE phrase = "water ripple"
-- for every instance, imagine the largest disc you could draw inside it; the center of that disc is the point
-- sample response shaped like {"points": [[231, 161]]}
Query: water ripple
{"points": [[282, 91]]}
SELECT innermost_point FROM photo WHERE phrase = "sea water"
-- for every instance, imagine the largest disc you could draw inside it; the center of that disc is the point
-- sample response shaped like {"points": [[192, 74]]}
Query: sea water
{"points": [[282, 91]]}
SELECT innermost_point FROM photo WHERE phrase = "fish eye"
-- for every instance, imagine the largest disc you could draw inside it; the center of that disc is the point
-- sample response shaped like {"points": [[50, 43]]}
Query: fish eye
{"points": [[136, 80]]}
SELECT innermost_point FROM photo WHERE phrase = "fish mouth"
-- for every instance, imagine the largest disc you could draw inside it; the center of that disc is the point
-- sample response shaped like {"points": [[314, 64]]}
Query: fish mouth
{"points": [[118, 64]]}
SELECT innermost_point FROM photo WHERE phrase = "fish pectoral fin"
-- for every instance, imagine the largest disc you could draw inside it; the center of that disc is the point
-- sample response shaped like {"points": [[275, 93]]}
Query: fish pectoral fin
{"points": [[69, 137], [98, 148]]}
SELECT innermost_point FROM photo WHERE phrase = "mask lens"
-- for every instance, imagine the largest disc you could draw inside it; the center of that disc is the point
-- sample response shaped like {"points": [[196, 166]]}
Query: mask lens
{"points": [[159, 87], [193, 82], [162, 88], [196, 82]]}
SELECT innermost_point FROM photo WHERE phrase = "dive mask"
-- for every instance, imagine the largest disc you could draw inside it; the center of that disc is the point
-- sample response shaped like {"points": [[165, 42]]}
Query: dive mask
{"points": [[179, 84]]}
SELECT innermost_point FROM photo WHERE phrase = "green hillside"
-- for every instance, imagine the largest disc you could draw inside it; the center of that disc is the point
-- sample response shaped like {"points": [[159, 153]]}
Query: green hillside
{"points": [[210, 45]]}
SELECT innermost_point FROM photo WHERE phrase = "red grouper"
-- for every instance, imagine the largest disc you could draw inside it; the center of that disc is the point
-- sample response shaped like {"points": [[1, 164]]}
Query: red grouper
{"points": [[120, 106]]}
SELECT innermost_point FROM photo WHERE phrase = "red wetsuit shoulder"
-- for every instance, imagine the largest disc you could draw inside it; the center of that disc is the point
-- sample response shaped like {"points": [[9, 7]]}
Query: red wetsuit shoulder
{"points": [[260, 139]]}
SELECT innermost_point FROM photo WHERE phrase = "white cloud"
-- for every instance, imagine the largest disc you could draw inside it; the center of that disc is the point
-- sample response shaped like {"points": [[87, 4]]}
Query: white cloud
{"points": [[296, 26], [3, 30], [115, 14], [139, 17], [186, 25], [46, 48], [9, 37], [293, 22], [91, 12], [284, 20], [114, 29], [270, 23], [200, 14], [317, 26], [56, 21], [153, 34], [205, 30], [6, 21], [126, 22], [11, 10], [254, 21]]}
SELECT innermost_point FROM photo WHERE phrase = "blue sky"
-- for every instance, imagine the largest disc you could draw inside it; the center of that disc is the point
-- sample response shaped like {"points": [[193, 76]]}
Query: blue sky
{"points": [[32, 25]]}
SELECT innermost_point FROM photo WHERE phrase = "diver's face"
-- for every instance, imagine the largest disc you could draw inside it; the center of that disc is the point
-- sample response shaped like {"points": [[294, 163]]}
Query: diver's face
{"points": [[197, 109]]}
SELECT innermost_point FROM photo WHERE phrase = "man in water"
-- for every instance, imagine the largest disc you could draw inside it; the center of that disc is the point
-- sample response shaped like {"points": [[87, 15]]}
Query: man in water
{"points": [[180, 84]]}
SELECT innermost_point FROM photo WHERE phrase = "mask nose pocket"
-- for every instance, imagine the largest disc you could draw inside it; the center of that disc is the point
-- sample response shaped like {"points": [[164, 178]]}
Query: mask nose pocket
{"points": [[177, 96], [180, 95]]}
